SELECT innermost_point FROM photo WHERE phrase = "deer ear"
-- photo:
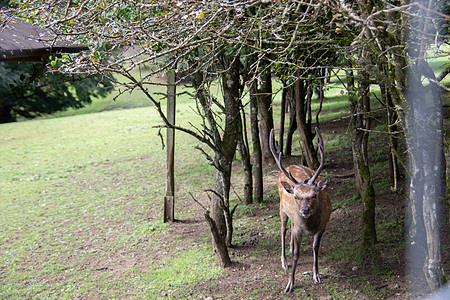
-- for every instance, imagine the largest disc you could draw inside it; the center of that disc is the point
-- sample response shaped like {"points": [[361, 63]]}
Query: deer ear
{"points": [[288, 187], [322, 184]]}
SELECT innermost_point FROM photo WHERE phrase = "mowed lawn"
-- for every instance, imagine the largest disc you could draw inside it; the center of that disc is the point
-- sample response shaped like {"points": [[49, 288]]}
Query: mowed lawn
{"points": [[81, 208]]}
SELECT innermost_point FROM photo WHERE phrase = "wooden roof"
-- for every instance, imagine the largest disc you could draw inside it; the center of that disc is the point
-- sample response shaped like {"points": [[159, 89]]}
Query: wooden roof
{"points": [[23, 41]]}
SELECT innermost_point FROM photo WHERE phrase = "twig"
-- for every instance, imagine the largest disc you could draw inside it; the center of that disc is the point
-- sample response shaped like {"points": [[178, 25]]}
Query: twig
{"points": [[193, 198]]}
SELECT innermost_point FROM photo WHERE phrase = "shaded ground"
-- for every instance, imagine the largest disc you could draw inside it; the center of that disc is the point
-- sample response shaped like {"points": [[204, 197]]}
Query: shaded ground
{"points": [[346, 270]]}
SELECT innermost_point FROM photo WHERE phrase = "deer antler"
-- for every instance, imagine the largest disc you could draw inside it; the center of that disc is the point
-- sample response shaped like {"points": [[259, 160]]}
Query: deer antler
{"points": [[322, 159], [277, 156]]}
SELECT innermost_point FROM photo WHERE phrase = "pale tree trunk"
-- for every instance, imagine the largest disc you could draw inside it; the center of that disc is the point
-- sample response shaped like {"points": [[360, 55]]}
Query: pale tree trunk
{"points": [[424, 135], [427, 169], [392, 128]]}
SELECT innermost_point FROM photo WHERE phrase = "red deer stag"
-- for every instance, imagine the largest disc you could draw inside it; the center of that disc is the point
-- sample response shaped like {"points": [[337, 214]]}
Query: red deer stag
{"points": [[306, 203]]}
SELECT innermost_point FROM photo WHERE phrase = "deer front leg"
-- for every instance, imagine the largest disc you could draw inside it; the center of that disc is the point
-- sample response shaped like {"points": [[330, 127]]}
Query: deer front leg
{"points": [[291, 248], [316, 246], [284, 219], [297, 238]]}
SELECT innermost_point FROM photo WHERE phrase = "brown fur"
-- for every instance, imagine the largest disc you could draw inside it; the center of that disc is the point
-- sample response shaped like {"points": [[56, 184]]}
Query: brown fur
{"points": [[308, 214]]}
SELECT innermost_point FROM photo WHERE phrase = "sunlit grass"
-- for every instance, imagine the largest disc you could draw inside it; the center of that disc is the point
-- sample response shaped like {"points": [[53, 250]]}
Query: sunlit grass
{"points": [[77, 192]]}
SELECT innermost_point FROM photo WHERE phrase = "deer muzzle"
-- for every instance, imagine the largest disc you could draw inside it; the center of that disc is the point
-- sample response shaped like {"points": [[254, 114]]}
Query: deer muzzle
{"points": [[306, 211]]}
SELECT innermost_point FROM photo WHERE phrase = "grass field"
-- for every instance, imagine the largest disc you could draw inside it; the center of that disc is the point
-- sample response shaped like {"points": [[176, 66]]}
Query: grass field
{"points": [[73, 189]]}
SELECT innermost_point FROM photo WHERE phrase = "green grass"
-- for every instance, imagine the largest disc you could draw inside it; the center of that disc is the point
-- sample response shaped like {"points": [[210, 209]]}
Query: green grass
{"points": [[80, 208]]}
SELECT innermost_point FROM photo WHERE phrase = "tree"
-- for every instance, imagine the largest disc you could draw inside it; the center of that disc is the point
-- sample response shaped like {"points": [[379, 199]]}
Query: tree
{"points": [[26, 92], [360, 111], [424, 135]]}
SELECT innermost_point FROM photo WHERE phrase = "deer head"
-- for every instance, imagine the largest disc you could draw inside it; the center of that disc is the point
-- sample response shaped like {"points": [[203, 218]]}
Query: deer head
{"points": [[303, 188]]}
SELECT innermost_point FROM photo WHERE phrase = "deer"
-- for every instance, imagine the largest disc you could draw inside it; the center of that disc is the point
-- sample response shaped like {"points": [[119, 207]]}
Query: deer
{"points": [[305, 200]]}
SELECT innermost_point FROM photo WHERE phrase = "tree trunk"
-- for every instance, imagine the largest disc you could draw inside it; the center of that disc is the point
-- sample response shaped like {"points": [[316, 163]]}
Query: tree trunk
{"points": [[219, 245], [224, 144], [252, 86], [292, 120], [218, 204], [392, 128], [256, 145], [246, 163], [282, 116], [304, 127], [360, 107], [424, 136], [323, 73], [232, 130], [265, 115], [426, 163]]}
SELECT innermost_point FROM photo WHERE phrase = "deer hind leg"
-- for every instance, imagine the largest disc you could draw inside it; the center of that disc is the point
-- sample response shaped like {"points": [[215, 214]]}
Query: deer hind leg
{"points": [[284, 220], [297, 238], [316, 246]]}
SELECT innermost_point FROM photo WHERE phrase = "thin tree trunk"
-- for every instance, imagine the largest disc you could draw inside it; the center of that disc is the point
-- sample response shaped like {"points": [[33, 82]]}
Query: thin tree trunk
{"points": [[292, 120], [244, 152], [304, 128], [265, 115], [282, 116], [392, 128], [320, 92], [360, 106], [256, 145]]}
